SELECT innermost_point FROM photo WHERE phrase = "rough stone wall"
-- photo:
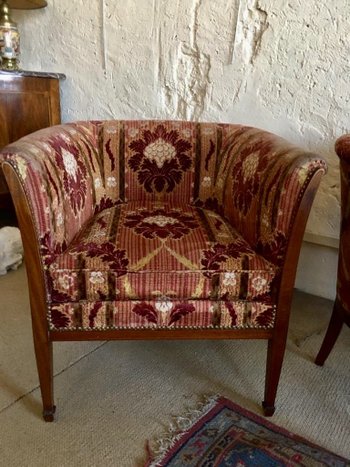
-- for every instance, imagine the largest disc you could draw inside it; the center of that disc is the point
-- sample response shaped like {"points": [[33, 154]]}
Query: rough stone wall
{"points": [[277, 64]]}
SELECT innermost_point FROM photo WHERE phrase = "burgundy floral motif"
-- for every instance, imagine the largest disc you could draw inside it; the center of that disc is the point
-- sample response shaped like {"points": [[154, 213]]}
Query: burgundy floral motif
{"points": [[219, 253], [212, 204], [73, 170], [55, 295], [160, 159], [265, 297], [179, 311], [218, 224], [246, 175], [59, 319], [147, 311], [89, 152], [108, 253], [160, 223], [213, 258], [151, 314], [209, 155], [275, 249], [102, 296], [232, 312], [51, 249], [52, 182], [266, 318], [104, 204], [110, 154], [93, 313]]}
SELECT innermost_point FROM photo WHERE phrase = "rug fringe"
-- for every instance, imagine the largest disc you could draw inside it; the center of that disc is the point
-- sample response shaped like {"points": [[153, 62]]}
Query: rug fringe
{"points": [[177, 428]]}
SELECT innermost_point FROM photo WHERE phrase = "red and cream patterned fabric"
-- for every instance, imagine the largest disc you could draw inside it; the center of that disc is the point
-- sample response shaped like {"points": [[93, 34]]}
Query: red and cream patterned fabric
{"points": [[177, 264], [161, 223]]}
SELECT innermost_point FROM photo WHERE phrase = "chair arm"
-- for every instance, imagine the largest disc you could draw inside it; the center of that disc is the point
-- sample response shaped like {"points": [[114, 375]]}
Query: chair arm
{"points": [[55, 168], [261, 183]]}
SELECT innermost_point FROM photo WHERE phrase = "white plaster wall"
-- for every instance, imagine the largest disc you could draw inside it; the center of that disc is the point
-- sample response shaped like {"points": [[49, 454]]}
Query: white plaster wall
{"points": [[317, 270], [276, 64]]}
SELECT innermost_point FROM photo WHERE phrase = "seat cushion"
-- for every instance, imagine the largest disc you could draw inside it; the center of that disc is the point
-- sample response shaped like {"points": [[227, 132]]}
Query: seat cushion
{"points": [[159, 265]]}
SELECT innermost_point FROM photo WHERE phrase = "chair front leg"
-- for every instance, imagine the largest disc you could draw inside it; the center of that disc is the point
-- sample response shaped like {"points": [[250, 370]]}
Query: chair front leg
{"points": [[44, 361], [275, 353]]}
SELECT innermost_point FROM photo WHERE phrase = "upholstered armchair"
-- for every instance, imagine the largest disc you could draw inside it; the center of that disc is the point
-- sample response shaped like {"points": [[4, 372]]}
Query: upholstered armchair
{"points": [[160, 230], [341, 307]]}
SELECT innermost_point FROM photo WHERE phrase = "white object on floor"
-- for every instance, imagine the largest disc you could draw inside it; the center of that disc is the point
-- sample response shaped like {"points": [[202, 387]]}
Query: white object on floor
{"points": [[11, 249]]}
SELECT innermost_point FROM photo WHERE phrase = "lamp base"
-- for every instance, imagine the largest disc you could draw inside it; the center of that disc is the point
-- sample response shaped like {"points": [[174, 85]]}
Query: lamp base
{"points": [[9, 39], [9, 64]]}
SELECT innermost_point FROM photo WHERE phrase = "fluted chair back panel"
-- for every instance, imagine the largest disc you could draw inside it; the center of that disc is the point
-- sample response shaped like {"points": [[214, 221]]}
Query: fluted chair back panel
{"points": [[85, 167]]}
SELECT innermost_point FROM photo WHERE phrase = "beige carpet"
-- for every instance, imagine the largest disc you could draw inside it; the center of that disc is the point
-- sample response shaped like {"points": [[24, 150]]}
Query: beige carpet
{"points": [[113, 396]]}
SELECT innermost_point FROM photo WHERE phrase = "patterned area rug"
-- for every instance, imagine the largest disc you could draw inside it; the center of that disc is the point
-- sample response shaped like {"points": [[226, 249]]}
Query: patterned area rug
{"points": [[223, 434]]}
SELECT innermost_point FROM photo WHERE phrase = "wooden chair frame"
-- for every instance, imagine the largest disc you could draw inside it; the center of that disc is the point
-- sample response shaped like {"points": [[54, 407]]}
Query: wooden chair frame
{"points": [[44, 338]]}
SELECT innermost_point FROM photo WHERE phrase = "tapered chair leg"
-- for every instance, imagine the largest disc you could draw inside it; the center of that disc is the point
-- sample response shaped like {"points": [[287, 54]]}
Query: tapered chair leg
{"points": [[44, 361], [275, 354], [333, 331]]}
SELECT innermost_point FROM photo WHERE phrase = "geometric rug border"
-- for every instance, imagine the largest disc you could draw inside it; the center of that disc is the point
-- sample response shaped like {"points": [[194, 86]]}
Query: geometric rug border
{"points": [[188, 426]]}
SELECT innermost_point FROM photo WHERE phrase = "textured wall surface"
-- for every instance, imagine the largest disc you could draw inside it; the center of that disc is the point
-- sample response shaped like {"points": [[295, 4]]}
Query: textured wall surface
{"points": [[277, 64]]}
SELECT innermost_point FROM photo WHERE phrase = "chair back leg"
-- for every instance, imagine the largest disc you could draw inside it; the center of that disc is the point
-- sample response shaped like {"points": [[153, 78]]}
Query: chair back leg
{"points": [[333, 331]]}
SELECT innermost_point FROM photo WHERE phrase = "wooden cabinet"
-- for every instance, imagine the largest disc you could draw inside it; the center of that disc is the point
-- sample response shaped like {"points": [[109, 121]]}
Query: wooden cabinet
{"points": [[29, 101]]}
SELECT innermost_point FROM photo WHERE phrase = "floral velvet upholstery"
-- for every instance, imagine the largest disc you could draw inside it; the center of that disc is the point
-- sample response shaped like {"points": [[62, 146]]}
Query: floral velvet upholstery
{"points": [[157, 224]]}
